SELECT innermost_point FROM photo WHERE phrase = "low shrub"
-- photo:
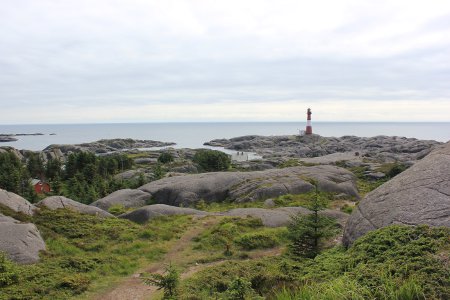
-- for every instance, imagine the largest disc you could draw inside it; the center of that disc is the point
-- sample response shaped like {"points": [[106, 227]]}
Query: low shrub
{"points": [[8, 271], [77, 283], [257, 240], [117, 209], [212, 160], [165, 157]]}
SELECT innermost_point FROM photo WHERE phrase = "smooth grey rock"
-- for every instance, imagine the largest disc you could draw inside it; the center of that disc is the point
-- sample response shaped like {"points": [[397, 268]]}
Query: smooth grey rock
{"points": [[269, 203], [146, 213], [145, 160], [375, 175], [419, 195], [20, 242], [126, 197], [60, 202], [249, 186], [130, 174], [16, 203], [282, 216]]}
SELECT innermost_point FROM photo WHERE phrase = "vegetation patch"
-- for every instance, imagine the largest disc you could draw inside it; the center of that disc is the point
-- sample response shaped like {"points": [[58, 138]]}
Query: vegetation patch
{"points": [[396, 262], [84, 251]]}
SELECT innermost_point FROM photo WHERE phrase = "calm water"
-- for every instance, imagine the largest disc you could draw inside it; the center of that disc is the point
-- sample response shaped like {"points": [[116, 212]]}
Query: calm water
{"points": [[193, 135]]}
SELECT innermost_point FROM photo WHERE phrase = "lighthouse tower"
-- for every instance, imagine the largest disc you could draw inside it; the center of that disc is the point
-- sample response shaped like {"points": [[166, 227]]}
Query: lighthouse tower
{"points": [[308, 122]]}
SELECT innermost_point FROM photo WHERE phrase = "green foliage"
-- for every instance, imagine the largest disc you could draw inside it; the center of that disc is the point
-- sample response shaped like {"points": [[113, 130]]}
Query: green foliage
{"points": [[158, 171], [347, 209], [85, 250], [169, 281], [257, 240], [395, 170], [76, 283], [35, 166], [165, 157], [117, 209], [88, 177], [8, 271], [308, 232], [212, 160], [293, 162], [223, 235], [14, 176], [241, 289], [396, 262], [217, 282]]}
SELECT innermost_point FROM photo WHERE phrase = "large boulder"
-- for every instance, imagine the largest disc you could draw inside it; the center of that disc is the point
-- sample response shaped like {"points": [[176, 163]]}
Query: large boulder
{"points": [[126, 197], [146, 213], [249, 186], [16, 203], [60, 202], [282, 216], [419, 195], [20, 242]]}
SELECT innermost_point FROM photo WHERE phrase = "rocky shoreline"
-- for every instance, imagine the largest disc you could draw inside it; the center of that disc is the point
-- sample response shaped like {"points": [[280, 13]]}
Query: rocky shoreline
{"points": [[381, 148], [5, 138]]}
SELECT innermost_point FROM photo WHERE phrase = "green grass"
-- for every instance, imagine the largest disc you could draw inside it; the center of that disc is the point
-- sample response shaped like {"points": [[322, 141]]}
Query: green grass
{"points": [[396, 262], [85, 252]]}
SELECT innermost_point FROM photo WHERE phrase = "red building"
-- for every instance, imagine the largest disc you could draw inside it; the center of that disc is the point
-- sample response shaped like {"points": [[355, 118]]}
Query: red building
{"points": [[40, 187]]}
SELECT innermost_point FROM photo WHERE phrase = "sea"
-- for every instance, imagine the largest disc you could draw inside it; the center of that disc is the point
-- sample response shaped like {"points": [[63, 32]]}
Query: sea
{"points": [[193, 135]]}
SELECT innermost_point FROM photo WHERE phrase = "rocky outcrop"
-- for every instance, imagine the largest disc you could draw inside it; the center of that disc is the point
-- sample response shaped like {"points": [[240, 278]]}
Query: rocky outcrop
{"points": [[419, 195], [279, 217], [108, 145], [7, 138], [60, 202], [21, 242], [382, 148], [16, 203], [249, 186], [126, 197], [146, 213]]}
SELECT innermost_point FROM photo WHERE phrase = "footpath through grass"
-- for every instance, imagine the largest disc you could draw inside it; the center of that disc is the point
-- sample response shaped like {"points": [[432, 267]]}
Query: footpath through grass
{"points": [[86, 253]]}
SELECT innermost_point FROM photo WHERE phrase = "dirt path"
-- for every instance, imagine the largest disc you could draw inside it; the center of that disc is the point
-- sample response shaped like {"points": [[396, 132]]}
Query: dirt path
{"points": [[132, 288]]}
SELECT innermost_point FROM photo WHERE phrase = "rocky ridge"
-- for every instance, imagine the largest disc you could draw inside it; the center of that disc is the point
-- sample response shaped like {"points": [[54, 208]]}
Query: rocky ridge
{"points": [[234, 186], [381, 148]]}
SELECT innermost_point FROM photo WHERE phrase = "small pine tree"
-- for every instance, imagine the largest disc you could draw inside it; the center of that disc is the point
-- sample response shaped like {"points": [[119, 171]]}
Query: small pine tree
{"points": [[168, 281], [306, 233]]}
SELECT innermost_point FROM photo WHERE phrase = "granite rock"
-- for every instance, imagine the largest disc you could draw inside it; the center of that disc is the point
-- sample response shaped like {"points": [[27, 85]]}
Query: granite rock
{"points": [[60, 202], [21, 242], [419, 195]]}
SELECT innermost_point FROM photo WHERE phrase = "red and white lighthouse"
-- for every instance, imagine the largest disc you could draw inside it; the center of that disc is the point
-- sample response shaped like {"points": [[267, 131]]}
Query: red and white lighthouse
{"points": [[308, 122]]}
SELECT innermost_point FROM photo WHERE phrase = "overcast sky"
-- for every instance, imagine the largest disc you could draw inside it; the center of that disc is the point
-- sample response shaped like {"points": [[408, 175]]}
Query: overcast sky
{"points": [[161, 61]]}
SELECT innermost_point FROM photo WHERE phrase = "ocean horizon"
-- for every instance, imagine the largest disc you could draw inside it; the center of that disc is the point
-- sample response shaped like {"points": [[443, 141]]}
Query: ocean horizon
{"points": [[194, 134]]}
